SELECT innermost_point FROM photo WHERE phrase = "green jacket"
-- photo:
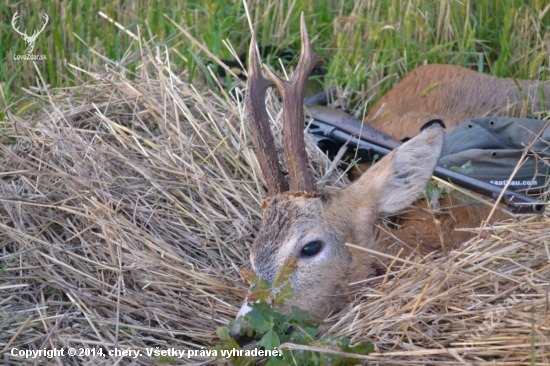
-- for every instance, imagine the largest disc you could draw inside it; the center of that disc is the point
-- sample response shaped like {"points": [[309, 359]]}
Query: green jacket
{"points": [[494, 145]]}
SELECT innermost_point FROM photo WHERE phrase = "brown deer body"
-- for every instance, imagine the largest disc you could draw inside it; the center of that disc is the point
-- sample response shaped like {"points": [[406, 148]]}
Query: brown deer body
{"points": [[314, 226], [452, 94]]}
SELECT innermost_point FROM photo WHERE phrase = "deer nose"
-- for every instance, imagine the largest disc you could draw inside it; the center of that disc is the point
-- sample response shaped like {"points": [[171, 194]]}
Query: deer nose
{"points": [[242, 340], [245, 309]]}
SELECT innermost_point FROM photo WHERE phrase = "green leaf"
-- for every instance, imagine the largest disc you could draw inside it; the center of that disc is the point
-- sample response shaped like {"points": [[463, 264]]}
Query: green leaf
{"points": [[467, 168], [286, 359], [223, 333], [260, 318], [359, 349], [433, 192], [270, 340], [259, 288], [299, 316], [274, 328], [289, 265], [304, 334]]}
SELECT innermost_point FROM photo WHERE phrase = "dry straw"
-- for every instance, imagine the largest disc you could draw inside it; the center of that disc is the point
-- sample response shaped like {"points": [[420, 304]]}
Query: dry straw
{"points": [[128, 204]]}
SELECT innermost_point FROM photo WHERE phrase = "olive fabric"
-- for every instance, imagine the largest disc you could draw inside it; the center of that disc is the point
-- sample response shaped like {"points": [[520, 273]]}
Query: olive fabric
{"points": [[494, 145]]}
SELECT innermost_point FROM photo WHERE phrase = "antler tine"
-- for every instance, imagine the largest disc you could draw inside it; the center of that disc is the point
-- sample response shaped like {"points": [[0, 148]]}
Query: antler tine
{"points": [[14, 24], [259, 123], [292, 93], [44, 23], [36, 31]]}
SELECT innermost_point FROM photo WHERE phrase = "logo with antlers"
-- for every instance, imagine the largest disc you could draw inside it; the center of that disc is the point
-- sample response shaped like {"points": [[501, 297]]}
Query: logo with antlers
{"points": [[29, 40]]}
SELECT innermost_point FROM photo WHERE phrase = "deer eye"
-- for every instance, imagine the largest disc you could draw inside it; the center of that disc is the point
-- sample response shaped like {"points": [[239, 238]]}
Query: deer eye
{"points": [[311, 249]]}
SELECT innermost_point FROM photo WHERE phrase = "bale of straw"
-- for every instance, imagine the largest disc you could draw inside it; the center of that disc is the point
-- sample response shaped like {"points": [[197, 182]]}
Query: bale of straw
{"points": [[127, 206]]}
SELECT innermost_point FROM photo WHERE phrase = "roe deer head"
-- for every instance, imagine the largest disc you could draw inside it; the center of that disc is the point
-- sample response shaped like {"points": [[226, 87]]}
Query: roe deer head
{"points": [[313, 226]]}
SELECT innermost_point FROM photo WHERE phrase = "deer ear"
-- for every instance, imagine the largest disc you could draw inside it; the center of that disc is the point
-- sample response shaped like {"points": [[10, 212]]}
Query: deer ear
{"points": [[398, 179]]}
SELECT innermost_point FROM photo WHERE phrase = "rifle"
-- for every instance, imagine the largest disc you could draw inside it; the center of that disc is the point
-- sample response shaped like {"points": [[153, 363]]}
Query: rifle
{"points": [[331, 127]]}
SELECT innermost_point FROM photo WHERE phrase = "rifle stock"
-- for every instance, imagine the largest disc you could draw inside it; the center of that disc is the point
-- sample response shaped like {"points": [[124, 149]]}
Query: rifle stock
{"points": [[343, 128]]}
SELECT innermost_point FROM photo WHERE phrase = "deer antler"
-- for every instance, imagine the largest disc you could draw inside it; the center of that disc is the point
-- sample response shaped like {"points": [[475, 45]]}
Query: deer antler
{"points": [[292, 93], [259, 122], [14, 23], [44, 23], [24, 35]]}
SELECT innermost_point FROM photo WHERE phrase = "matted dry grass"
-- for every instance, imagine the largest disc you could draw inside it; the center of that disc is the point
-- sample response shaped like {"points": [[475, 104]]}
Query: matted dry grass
{"points": [[127, 206]]}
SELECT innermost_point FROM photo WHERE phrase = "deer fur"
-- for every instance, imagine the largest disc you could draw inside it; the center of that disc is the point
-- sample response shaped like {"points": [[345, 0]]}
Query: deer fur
{"points": [[291, 221], [452, 94], [294, 220]]}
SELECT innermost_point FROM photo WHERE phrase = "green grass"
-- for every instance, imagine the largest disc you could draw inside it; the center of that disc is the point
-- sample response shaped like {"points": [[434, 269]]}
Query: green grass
{"points": [[363, 41]]}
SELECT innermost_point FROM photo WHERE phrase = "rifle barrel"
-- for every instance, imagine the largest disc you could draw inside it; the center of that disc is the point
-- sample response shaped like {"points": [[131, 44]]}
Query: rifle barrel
{"points": [[343, 128]]}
